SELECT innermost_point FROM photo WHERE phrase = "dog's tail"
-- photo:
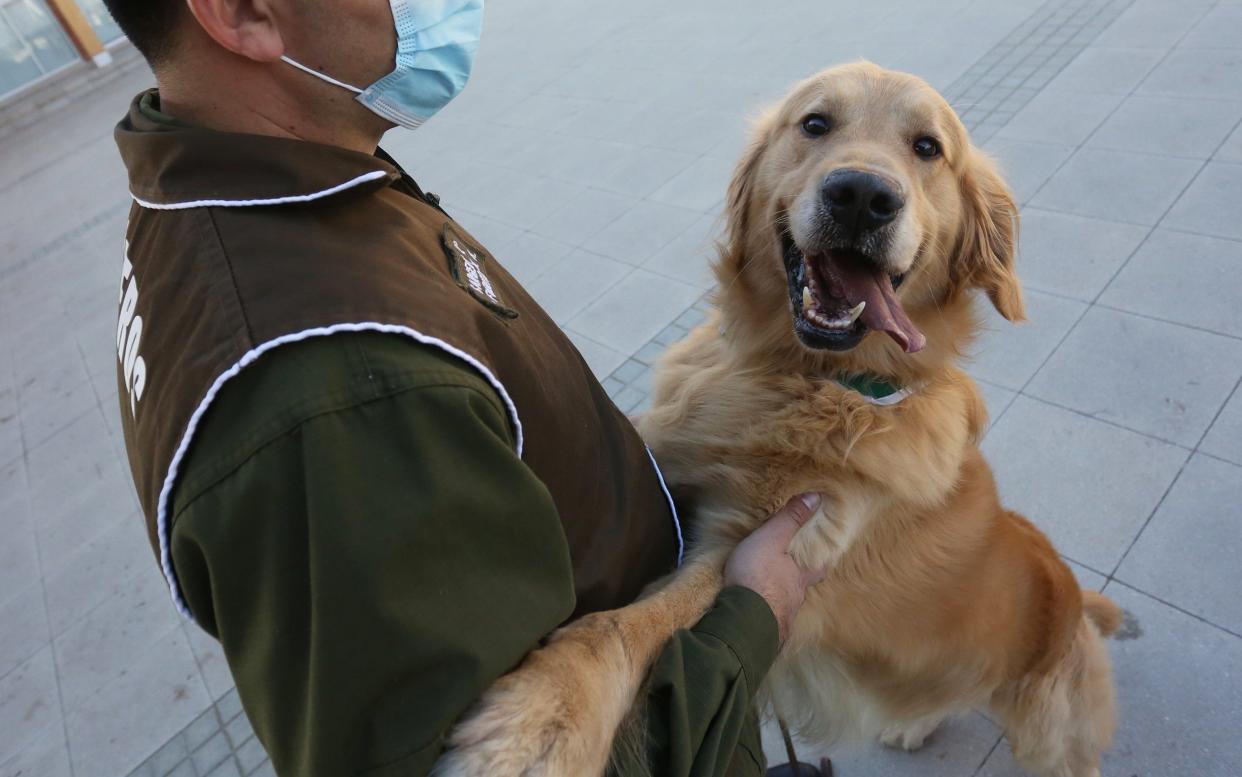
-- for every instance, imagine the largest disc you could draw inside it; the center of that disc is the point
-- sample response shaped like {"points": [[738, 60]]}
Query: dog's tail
{"points": [[1102, 611]]}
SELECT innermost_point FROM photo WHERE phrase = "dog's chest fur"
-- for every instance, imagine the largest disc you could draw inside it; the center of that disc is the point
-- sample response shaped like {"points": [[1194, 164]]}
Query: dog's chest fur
{"points": [[740, 443]]}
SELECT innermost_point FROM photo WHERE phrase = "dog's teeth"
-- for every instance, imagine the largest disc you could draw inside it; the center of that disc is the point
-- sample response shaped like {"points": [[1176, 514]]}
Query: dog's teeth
{"points": [[856, 311], [808, 301]]}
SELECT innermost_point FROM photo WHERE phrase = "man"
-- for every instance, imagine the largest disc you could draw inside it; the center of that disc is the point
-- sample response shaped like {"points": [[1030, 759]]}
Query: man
{"points": [[371, 466]]}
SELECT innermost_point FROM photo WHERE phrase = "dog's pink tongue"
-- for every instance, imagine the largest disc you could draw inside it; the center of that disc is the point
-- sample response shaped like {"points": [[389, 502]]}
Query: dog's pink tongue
{"points": [[883, 312]]}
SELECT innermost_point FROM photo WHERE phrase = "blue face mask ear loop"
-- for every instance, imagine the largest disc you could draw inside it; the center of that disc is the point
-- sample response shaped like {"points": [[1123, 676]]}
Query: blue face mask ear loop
{"points": [[322, 76]]}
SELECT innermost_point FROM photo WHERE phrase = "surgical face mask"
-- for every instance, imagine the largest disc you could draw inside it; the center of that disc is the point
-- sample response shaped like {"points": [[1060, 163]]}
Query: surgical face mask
{"points": [[436, 44]]}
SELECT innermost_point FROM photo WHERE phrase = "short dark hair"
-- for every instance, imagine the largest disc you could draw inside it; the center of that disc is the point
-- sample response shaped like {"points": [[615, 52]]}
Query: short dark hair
{"points": [[151, 25]]}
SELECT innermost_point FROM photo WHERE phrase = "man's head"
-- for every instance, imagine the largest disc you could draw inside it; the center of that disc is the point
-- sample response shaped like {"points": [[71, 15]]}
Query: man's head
{"points": [[214, 57]]}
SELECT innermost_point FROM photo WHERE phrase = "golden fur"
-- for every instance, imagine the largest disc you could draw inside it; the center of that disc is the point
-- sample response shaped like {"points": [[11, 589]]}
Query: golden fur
{"points": [[937, 599]]}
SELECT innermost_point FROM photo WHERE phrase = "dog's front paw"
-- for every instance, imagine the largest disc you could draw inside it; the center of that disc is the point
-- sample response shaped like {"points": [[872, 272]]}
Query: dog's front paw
{"points": [[909, 736], [550, 717]]}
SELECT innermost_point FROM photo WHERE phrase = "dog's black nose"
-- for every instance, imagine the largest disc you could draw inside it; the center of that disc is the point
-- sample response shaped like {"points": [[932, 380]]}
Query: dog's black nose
{"points": [[859, 201]]}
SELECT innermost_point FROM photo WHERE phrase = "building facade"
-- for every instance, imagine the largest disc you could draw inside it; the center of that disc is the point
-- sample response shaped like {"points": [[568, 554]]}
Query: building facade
{"points": [[41, 38]]}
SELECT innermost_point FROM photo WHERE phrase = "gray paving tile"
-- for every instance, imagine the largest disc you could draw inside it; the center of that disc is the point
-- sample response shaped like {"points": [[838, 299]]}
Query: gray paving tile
{"points": [[700, 187], [641, 232], [1074, 256], [10, 427], [1210, 205], [96, 572], [251, 755], [1185, 278], [265, 770], [78, 454], [574, 282], [211, 753], [1088, 579], [602, 359], [1097, 505], [47, 756], [23, 625], [1065, 118], [225, 769], [689, 256], [1221, 27], [584, 217], [1168, 125], [1107, 70], [1231, 149], [1175, 717], [1116, 185], [636, 309], [1212, 73], [53, 400], [168, 756], [1188, 554], [94, 508], [30, 703], [1009, 354], [238, 730], [1027, 166], [494, 235], [104, 643], [184, 769], [1151, 23], [19, 553], [1224, 439], [1154, 377], [204, 726], [997, 399], [529, 255], [128, 719], [229, 706], [518, 198]]}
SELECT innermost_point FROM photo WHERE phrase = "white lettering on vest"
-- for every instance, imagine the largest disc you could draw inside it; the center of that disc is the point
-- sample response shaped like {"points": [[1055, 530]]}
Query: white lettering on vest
{"points": [[474, 272], [129, 336]]}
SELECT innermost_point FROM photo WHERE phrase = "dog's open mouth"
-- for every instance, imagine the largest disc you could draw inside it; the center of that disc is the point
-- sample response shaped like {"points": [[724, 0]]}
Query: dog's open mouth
{"points": [[840, 295]]}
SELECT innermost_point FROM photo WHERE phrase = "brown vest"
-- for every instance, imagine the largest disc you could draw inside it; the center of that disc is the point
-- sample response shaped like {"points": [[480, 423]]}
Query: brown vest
{"points": [[238, 244]]}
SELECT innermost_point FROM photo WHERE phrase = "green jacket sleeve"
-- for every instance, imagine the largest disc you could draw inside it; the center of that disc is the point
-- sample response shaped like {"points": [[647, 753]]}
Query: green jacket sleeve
{"points": [[700, 716], [355, 528]]}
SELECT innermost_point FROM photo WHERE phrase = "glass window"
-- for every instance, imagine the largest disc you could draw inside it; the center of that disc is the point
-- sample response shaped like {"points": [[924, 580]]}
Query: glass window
{"points": [[97, 14], [32, 43]]}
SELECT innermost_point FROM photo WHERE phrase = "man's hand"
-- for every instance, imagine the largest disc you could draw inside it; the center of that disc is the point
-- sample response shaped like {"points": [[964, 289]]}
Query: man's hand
{"points": [[762, 563]]}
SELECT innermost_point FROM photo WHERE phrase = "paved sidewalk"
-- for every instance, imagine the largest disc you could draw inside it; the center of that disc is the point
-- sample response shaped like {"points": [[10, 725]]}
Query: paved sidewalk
{"points": [[591, 154]]}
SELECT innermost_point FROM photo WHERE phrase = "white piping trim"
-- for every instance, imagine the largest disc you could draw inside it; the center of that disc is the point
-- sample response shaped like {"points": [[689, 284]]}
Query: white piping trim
{"points": [[170, 479], [681, 541], [292, 198]]}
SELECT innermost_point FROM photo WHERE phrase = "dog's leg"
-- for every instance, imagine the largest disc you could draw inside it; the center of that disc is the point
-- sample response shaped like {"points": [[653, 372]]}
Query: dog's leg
{"points": [[910, 735], [1059, 723], [557, 713]]}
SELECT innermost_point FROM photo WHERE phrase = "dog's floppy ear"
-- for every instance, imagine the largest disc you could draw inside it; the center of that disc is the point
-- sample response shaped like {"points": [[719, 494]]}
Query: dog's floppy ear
{"points": [[989, 239], [737, 202]]}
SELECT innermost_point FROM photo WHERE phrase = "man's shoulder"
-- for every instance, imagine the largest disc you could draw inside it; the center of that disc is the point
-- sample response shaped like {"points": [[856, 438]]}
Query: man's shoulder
{"points": [[299, 381]]}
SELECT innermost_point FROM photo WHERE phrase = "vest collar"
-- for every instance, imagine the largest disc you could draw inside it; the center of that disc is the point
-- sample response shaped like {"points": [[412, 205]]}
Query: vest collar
{"points": [[174, 166], [873, 388]]}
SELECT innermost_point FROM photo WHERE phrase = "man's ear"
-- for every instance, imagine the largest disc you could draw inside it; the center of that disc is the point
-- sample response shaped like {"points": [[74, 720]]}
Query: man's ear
{"points": [[245, 27], [989, 238]]}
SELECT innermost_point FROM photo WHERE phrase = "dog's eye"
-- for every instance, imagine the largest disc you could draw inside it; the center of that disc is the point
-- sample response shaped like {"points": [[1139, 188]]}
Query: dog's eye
{"points": [[928, 148], [816, 125]]}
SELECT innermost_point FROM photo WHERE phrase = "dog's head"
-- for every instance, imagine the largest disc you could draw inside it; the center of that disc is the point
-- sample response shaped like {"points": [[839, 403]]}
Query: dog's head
{"points": [[861, 206]]}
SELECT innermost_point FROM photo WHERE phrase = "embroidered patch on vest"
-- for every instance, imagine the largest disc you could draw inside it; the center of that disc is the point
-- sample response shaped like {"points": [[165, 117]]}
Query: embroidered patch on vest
{"points": [[468, 263]]}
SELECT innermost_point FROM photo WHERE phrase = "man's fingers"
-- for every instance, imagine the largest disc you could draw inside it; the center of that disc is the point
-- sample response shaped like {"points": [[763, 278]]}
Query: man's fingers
{"points": [[785, 522], [802, 507]]}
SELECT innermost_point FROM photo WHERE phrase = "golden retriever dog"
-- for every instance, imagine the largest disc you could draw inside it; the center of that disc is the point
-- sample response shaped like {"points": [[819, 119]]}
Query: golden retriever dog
{"points": [[860, 222]]}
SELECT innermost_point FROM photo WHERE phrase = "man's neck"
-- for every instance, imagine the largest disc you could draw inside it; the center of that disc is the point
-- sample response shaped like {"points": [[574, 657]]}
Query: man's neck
{"points": [[252, 105]]}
